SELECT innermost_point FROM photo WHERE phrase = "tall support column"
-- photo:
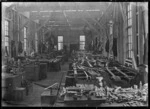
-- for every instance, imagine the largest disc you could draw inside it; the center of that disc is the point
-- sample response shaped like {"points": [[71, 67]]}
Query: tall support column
{"points": [[145, 12], [3, 33]]}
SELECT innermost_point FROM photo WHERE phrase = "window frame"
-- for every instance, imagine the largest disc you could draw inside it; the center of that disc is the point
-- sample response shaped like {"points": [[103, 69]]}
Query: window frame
{"points": [[25, 38], [60, 43], [82, 42], [7, 27], [129, 31], [36, 42]]}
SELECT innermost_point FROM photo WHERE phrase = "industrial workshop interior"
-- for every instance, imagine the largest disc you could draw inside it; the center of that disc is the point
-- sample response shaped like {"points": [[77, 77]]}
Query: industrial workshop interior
{"points": [[74, 54]]}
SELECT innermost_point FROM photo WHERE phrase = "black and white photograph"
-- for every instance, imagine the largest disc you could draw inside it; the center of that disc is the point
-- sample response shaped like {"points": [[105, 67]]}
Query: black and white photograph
{"points": [[74, 54]]}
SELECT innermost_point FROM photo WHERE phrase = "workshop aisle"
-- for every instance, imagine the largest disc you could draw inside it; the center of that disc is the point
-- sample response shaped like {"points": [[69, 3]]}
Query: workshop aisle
{"points": [[34, 99]]}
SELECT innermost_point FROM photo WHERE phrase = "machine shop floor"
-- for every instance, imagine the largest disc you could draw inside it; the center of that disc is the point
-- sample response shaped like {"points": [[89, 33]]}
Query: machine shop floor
{"points": [[34, 99]]}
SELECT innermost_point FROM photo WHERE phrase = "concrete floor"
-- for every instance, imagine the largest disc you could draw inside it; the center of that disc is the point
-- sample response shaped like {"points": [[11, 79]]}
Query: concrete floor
{"points": [[34, 98]]}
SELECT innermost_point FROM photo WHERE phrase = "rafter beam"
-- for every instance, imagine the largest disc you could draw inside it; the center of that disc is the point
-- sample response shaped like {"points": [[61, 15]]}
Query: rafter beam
{"points": [[90, 25], [102, 26], [47, 31], [43, 25], [64, 14], [24, 25]]}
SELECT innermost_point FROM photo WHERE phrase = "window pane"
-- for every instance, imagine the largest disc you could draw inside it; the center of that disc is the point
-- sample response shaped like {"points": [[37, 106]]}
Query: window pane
{"points": [[36, 46], [82, 38], [25, 32], [129, 22], [128, 31], [129, 15], [130, 39], [128, 7], [6, 44], [60, 46], [6, 39], [82, 47], [131, 46], [6, 23], [82, 43], [6, 27], [60, 38], [25, 44]]}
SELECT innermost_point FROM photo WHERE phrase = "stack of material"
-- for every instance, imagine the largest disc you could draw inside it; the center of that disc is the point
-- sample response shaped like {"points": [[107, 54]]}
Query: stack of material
{"points": [[84, 94], [127, 94]]}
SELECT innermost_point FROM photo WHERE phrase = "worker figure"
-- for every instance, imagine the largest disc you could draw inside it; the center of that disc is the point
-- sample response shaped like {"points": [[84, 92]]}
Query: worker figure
{"points": [[143, 74]]}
